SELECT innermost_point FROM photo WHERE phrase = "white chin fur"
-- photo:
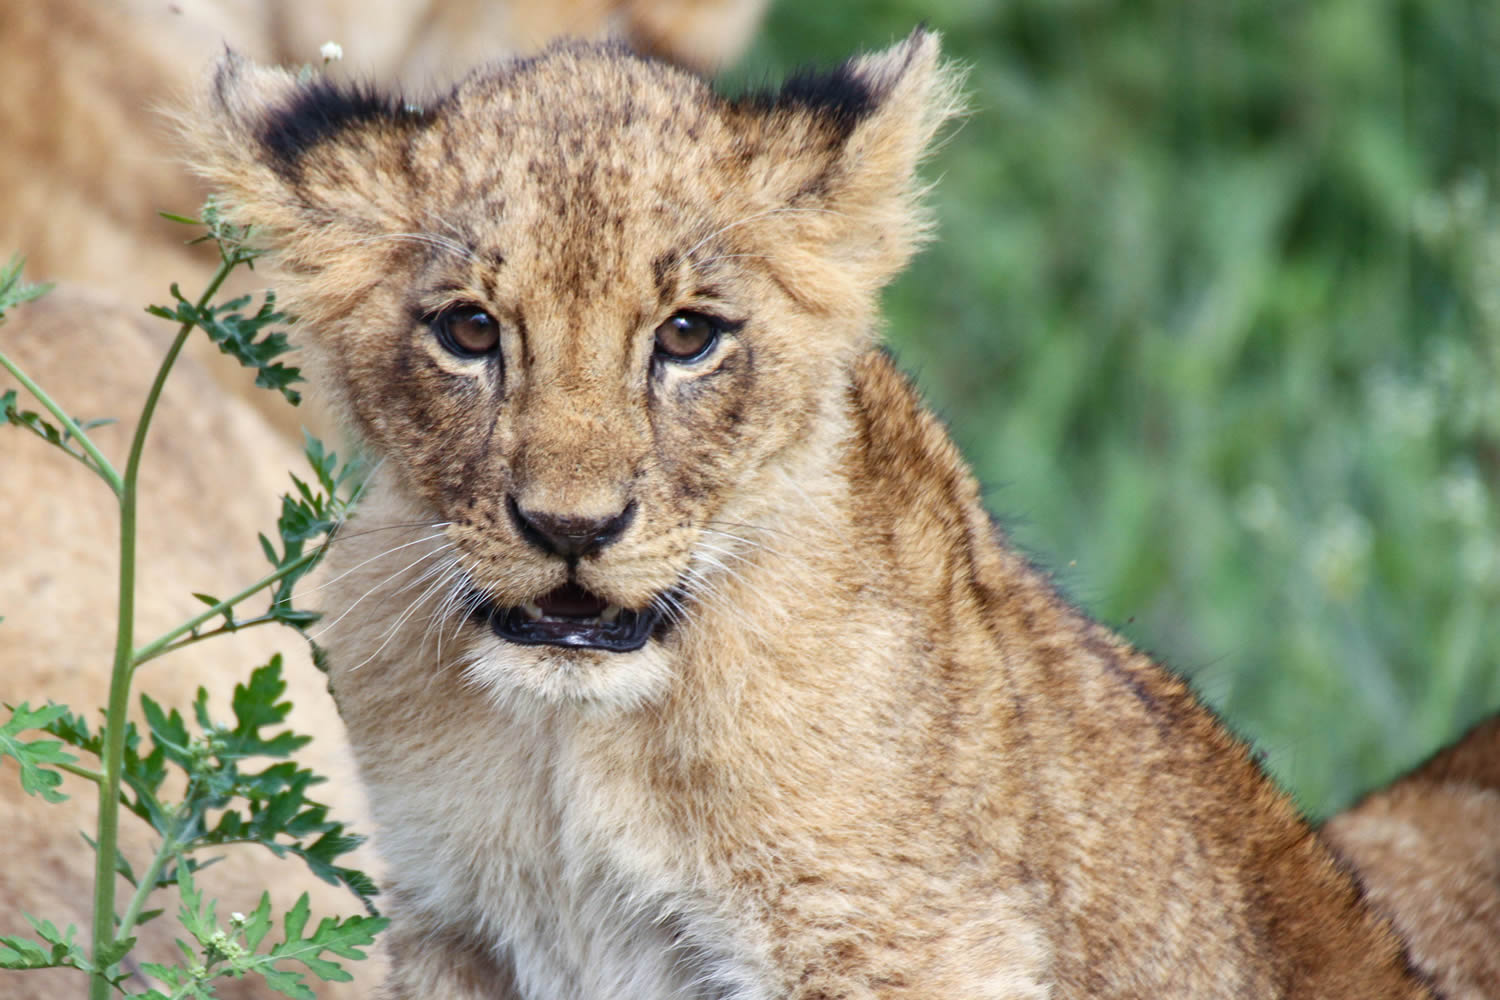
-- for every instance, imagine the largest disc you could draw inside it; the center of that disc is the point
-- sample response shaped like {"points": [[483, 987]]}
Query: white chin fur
{"points": [[586, 678]]}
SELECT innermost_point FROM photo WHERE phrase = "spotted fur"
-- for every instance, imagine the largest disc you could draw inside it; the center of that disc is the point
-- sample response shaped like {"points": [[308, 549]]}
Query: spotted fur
{"points": [[871, 752]]}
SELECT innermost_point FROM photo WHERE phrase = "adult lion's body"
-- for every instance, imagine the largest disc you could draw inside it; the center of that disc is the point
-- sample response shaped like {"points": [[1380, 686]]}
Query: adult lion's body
{"points": [[682, 659]]}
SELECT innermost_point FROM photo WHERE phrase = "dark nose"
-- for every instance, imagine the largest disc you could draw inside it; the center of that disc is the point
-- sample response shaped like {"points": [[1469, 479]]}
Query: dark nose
{"points": [[569, 537]]}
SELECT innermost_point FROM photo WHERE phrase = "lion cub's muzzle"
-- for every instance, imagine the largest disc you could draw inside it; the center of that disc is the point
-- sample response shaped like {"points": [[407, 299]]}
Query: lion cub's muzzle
{"points": [[570, 616]]}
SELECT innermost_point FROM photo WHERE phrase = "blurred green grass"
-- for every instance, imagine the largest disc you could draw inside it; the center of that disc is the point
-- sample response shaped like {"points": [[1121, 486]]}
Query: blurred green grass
{"points": [[1215, 311]]}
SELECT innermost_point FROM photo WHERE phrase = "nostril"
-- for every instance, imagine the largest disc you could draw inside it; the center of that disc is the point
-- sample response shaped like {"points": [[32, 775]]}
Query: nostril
{"points": [[568, 536]]}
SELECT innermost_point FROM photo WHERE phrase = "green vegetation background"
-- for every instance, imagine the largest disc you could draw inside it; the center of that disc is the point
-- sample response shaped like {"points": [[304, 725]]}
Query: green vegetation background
{"points": [[1215, 311]]}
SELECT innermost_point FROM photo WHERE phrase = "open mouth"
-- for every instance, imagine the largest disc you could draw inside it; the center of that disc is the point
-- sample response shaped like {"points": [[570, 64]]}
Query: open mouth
{"points": [[573, 618]]}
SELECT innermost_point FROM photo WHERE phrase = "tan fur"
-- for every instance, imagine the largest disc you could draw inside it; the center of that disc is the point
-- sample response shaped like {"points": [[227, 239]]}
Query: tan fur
{"points": [[1428, 852], [873, 753], [211, 475]]}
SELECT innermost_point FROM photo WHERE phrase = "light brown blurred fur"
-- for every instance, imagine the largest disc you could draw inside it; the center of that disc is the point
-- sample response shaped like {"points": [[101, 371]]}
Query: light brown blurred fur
{"points": [[869, 751], [1428, 852]]}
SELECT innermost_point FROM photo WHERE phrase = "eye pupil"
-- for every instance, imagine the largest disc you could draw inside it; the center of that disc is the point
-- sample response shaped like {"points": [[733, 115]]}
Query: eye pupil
{"points": [[467, 331], [686, 336]]}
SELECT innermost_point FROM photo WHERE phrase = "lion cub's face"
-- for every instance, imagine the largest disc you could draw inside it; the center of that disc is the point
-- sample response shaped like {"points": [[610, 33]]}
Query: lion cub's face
{"points": [[587, 311]]}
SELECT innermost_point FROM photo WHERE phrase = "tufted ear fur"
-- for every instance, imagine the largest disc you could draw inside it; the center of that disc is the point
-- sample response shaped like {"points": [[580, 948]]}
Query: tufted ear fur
{"points": [[315, 167], [842, 148], [306, 161]]}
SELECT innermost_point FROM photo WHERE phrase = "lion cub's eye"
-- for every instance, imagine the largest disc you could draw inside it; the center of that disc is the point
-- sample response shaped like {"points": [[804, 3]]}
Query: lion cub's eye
{"points": [[467, 331], [687, 336]]}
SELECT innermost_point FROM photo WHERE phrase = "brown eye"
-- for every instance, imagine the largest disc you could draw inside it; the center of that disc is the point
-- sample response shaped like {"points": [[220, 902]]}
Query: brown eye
{"points": [[467, 331], [687, 336]]}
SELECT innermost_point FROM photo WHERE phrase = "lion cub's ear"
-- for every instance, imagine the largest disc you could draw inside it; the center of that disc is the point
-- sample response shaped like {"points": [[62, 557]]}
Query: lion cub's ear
{"points": [[310, 163], [841, 149]]}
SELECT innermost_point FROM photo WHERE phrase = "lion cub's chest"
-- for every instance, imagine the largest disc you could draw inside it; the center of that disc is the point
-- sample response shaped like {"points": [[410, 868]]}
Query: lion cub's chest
{"points": [[544, 857]]}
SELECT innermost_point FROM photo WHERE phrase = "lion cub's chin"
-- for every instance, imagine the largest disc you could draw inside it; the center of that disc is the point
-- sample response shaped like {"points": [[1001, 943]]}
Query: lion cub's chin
{"points": [[591, 679]]}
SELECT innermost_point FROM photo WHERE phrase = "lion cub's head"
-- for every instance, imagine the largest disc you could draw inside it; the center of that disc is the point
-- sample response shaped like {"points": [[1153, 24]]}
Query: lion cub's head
{"points": [[584, 309]]}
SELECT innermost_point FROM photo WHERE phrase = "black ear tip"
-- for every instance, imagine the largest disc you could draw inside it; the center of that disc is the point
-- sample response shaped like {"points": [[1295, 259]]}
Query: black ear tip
{"points": [[842, 95], [320, 110]]}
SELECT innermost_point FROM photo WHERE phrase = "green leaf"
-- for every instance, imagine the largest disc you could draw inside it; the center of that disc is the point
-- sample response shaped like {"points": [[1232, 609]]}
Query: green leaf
{"points": [[258, 924], [235, 951], [112, 954], [168, 733], [196, 914], [319, 657], [31, 420], [14, 291], [243, 337], [269, 807], [180, 981], [270, 551], [19, 953], [74, 730], [56, 949], [256, 706], [37, 757], [345, 938]]}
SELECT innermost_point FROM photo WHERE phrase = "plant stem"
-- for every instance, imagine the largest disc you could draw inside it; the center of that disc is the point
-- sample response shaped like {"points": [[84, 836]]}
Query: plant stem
{"points": [[101, 464], [83, 772], [147, 882], [153, 650], [166, 643], [81, 459], [106, 840]]}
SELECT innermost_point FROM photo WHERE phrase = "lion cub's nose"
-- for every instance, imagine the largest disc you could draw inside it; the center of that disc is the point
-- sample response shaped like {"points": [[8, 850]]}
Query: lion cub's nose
{"points": [[569, 537]]}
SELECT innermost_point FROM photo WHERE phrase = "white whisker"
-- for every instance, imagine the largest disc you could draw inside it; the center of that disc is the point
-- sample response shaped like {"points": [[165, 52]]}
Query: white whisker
{"points": [[401, 619], [379, 555], [426, 555], [455, 591]]}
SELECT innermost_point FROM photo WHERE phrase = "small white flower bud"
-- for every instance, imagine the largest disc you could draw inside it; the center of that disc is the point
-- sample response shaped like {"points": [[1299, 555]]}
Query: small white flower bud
{"points": [[332, 52]]}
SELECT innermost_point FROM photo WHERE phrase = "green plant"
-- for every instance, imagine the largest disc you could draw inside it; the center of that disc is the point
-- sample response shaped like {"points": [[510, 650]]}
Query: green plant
{"points": [[240, 786]]}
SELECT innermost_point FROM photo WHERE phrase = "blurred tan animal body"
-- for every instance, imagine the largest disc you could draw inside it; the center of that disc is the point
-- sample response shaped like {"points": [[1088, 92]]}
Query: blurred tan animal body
{"points": [[1427, 850], [676, 649]]}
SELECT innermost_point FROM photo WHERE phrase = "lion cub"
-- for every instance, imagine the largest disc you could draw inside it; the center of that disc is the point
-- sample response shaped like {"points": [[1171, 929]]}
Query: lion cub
{"points": [[678, 653]]}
